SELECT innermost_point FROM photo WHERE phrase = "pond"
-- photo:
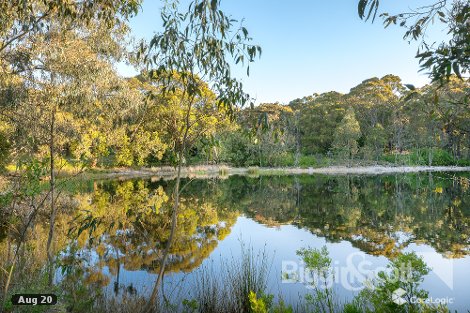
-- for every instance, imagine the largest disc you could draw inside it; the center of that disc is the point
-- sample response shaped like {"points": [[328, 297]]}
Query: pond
{"points": [[114, 240], [111, 234]]}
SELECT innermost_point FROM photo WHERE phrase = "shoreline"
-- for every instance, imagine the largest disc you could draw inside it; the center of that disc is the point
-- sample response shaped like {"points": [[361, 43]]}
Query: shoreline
{"points": [[212, 171]]}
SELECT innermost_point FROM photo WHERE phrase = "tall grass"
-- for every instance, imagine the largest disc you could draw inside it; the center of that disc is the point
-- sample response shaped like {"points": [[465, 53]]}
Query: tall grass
{"points": [[218, 287], [228, 288]]}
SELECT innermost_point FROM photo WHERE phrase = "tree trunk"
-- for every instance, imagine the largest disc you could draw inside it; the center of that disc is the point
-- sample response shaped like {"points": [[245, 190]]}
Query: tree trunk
{"points": [[151, 305], [153, 298], [430, 156], [50, 238]]}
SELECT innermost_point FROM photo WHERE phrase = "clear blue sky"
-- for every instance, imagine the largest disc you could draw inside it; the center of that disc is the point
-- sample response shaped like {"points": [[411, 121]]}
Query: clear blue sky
{"points": [[311, 45]]}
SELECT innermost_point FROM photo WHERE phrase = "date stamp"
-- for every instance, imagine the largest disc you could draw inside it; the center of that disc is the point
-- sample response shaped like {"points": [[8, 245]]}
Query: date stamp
{"points": [[34, 299]]}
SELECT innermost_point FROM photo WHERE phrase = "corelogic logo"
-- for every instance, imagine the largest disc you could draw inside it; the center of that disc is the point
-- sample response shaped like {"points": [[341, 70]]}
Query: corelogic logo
{"points": [[397, 296]]}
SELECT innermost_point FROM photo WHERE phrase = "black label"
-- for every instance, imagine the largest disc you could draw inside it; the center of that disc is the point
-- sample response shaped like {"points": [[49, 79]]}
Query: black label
{"points": [[34, 299]]}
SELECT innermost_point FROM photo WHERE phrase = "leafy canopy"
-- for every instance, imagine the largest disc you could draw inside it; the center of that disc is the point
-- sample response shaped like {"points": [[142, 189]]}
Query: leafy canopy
{"points": [[199, 44], [444, 59]]}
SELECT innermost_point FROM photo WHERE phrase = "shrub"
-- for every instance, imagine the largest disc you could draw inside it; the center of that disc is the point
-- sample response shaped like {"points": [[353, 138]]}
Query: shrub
{"points": [[407, 272], [443, 158], [307, 161]]}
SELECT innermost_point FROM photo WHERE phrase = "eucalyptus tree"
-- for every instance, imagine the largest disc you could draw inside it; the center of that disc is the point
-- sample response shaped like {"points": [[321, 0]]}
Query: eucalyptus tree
{"points": [[32, 30], [441, 60], [74, 85], [121, 131], [346, 136], [319, 116], [4, 150], [20, 18], [374, 98], [186, 119], [448, 113], [444, 59], [270, 131], [53, 52], [196, 46]]}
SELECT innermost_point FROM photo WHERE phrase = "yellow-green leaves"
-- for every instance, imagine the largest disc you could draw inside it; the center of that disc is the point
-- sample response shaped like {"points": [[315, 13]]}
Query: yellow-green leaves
{"points": [[346, 135]]}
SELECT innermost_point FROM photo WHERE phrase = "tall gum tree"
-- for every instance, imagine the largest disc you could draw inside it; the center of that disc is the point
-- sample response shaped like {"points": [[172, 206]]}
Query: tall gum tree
{"points": [[195, 45], [346, 135], [39, 53]]}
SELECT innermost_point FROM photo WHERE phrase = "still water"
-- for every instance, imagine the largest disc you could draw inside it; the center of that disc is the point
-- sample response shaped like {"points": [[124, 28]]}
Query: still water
{"points": [[122, 226]]}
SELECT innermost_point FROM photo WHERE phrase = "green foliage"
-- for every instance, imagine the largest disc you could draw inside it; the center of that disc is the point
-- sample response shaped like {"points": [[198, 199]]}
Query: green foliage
{"points": [[317, 119], [237, 149], [308, 161], [34, 171], [428, 128], [440, 60], [4, 151], [346, 135], [258, 305], [284, 159], [465, 162], [407, 271], [411, 127], [267, 132], [206, 39], [141, 121], [354, 307], [265, 304], [318, 262], [375, 142], [438, 157], [190, 306]]}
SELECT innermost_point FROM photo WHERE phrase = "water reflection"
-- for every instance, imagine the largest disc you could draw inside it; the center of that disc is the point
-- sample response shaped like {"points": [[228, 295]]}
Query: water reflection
{"points": [[381, 215], [127, 223], [122, 227]]}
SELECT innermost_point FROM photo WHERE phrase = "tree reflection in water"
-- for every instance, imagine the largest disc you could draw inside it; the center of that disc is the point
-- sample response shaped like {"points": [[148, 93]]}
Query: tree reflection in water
{"points": [[126, 224]]}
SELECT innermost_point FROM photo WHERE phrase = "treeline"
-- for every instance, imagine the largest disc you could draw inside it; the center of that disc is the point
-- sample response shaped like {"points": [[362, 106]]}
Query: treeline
{"points": [[380, 120], [61, 96]]}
